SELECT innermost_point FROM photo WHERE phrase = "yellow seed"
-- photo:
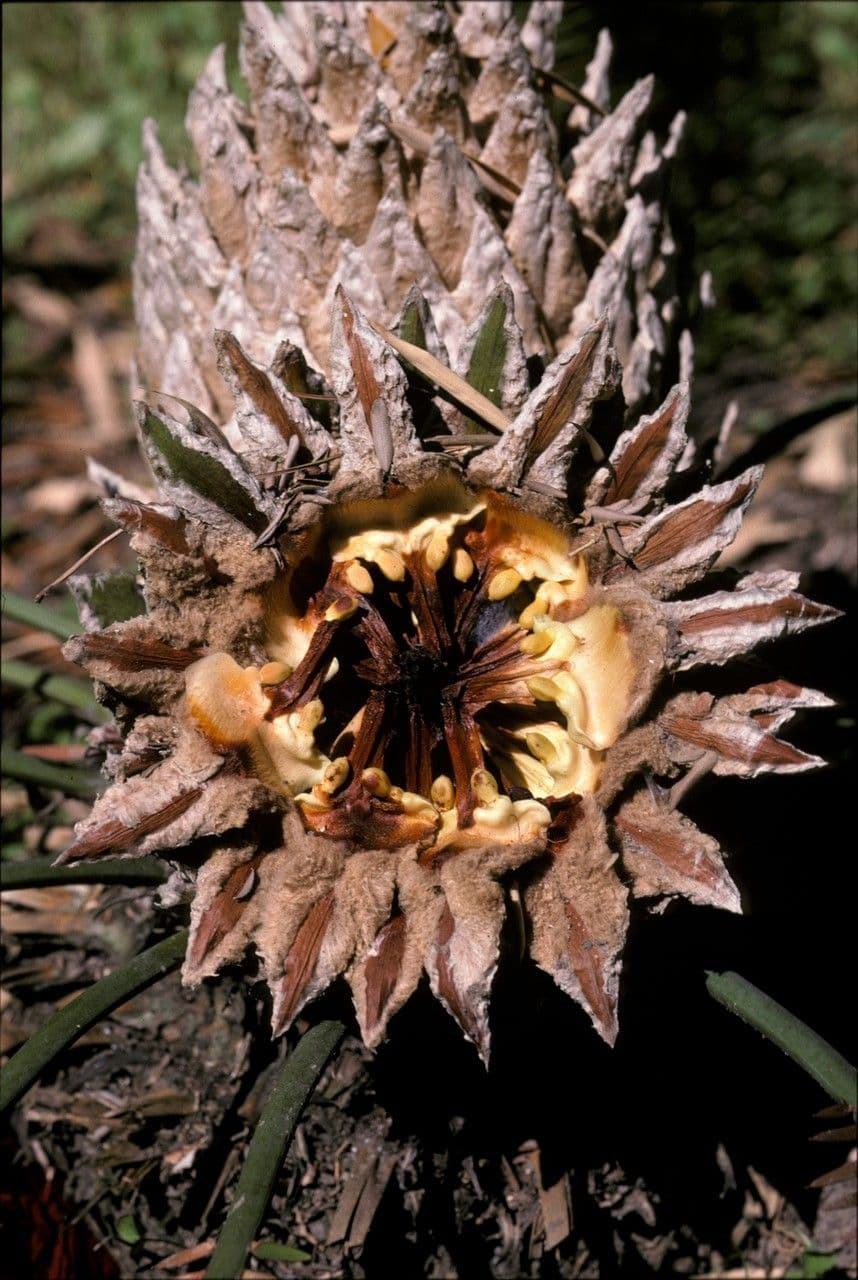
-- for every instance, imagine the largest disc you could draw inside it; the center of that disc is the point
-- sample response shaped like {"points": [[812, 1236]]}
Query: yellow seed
{"points": [[335, 774], [341, 608], [359, 577], [463, 565], [310, 715], [541, 746], [395, 794], [543, 689], [390, 565], [437, 552], [442, 793], [274, 672], [504, 583], [536, 643], [535, 609], [484, 786], [376, 781]]}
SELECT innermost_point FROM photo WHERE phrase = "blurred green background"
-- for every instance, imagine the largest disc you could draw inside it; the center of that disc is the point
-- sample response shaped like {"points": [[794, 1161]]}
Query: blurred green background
{"points": [[766, 195]]}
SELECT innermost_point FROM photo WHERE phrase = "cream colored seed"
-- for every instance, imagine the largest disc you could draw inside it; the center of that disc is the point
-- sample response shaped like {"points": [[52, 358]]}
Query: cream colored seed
{"points": [[536, 643], [543, 689], [390, 565], [484, 786], [310, 715], [335, 775], [376, 781], [437, 552], [463, 565], [504, 583], [442, 793], [359, 577], [534, 610], [541, 746], [274, 672], [395, 794], [341, 608]]}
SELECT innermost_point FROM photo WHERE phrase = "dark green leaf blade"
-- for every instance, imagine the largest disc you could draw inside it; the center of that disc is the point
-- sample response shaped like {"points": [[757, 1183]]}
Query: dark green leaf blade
{"points": [[197, 467], [69, 1023], [486, 366], [828, 1067], [280, 1115]]}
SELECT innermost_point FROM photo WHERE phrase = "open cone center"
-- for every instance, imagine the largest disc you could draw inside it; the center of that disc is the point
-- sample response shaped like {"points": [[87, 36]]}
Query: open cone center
{"points": [[435, 667]]}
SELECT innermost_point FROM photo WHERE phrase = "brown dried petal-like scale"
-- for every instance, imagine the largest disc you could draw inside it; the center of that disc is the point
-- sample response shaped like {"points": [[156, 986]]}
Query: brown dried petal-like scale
{"points": [[407, 615]]}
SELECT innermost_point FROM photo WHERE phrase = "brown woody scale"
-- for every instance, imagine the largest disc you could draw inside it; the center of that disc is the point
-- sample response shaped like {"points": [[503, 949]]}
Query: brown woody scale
{"points": [[346, 735]]}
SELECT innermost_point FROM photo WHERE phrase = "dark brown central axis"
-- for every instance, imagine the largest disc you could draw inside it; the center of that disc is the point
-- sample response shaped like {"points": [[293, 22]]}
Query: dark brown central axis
{"points": [[423, 658]]}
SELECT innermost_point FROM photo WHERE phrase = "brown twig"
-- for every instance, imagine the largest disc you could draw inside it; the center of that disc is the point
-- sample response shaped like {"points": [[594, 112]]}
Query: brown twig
{"points": [[67, 573]]}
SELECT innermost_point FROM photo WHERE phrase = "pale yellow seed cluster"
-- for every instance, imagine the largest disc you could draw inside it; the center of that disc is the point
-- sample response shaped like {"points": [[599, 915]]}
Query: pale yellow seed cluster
{"points": [[582, 676], [389, 548], [227, 703], [591, 691]]}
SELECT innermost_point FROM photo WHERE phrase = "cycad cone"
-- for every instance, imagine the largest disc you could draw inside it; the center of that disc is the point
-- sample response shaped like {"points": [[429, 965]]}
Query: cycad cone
{"points": [[399, 643]]}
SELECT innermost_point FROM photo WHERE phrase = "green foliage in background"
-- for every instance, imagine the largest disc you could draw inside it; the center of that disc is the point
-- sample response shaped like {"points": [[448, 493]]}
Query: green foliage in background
{"points": [[78, 79], [767, 186], [778, 230]]}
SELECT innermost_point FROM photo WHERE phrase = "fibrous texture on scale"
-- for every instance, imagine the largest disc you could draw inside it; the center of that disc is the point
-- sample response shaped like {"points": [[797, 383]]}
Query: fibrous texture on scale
{"points": [[422, 558]]}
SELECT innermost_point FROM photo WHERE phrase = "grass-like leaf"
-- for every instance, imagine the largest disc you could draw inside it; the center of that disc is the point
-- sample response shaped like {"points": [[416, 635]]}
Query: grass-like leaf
{"points": [[40, 873], [173, 459], [76, 694], [69, 1023], [273, 1133], [31, 770], [271, 1251], [20, 609], [110, 597], [410, 327], [485, 369], [815, 1055]]}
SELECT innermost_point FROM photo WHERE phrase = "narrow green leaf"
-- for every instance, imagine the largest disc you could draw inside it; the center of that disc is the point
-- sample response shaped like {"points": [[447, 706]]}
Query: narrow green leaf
{"points": [[111, 597], [29, 769], [69, 1023], [127, 1229], [280, 1116], [410, 327], [37, 873], [63, 689], [19, 609], [270, 1251], [485, 370], [486, 366], [809, 1050], [199, 471], [811, 1265], [305, 383]]}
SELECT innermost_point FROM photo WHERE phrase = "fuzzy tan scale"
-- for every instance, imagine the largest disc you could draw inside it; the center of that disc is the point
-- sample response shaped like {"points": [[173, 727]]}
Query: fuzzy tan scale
{"points": [[187, 797], [740, 730], [463, 958], [378, 995], [579, 917], [667, 856]]}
